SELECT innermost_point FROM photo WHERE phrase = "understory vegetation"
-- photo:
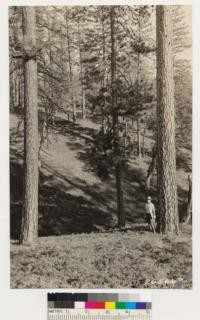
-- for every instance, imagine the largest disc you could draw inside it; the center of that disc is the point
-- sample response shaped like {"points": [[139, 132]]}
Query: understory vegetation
{"points": [[132, 259]]}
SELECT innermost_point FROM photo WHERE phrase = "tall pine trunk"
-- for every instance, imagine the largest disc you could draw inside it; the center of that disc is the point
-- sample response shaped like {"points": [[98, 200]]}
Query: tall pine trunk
{"points": [[103, 68], [139, 152], [118, 166], [29, 230], [166, 151], [71, 78], [81, 73], [51, 89]]}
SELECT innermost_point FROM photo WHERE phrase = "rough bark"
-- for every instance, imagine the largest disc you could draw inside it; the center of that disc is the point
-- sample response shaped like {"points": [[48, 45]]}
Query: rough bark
{"points": [[29, 230], [166, 151], [49, 87], [118, 167]]}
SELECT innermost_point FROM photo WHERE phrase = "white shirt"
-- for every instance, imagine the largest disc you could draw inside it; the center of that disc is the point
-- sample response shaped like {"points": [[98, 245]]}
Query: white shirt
{"points": [[150, 209]]}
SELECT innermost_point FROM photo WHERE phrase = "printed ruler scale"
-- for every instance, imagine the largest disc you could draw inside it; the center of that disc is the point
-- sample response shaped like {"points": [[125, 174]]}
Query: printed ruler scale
{"points": [[81, 306], [94, 315]]}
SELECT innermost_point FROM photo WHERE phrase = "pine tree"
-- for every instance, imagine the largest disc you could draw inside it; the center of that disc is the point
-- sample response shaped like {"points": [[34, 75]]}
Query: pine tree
{"points": [[118, 167], [29, 230], [166, 151]]}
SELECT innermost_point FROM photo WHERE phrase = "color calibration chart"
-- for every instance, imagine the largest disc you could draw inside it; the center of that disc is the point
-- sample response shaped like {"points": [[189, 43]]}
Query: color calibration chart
{"points": [[99, 306]]}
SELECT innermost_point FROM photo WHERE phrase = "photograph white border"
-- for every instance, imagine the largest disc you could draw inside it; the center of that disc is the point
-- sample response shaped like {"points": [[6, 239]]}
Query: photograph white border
{"points": [[23, 304]]}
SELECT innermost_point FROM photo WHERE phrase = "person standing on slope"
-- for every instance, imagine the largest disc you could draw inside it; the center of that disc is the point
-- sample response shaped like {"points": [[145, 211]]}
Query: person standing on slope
{"points": [[150, 214]]}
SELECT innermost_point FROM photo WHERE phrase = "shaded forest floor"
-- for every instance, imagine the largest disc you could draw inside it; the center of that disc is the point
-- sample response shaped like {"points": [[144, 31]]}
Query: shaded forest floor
{"points": [[79, 207]]}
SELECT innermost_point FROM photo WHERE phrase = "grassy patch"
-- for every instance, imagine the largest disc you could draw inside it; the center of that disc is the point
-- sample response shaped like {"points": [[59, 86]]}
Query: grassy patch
{"points": [[103, 260]]}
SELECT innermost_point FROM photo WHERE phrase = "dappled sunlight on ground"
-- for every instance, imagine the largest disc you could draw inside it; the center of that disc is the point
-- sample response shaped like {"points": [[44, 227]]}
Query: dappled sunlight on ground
{"points": [[79, 208]]}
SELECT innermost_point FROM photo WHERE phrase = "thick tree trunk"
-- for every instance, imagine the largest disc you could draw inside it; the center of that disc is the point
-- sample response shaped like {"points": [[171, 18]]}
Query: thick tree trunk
{"points": [[166, 151], [49, 87], [118, 168], [29, 231], [103, 69]]}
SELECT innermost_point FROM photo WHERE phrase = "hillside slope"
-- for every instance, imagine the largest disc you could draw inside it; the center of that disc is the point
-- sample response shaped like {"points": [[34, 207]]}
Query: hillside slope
{"points": [[79, 209]]}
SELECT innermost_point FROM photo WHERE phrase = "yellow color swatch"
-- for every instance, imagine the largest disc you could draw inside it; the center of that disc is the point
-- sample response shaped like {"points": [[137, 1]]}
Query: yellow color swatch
{"points": [[109, 305]]}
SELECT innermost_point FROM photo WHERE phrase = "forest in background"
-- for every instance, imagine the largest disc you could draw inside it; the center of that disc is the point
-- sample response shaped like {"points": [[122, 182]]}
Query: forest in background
{"points": [[74, 69], [84, 81]]}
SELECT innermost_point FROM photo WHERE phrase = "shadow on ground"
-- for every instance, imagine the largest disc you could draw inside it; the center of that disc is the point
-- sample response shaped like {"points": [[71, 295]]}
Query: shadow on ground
{"points": [[59, 211], [62, 213], [94, 207]]}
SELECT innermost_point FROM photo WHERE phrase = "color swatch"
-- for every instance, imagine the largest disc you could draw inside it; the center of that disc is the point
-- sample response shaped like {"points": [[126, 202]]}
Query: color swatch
{"points": [[100, 301], [98, 306]]}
